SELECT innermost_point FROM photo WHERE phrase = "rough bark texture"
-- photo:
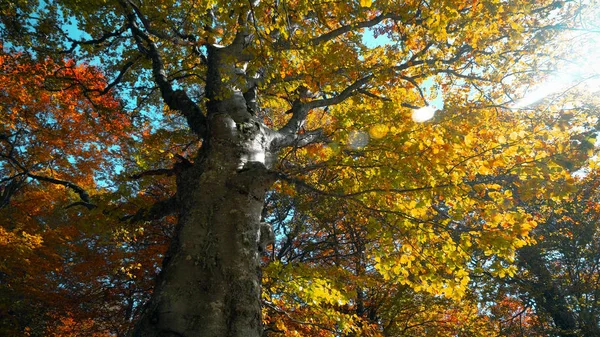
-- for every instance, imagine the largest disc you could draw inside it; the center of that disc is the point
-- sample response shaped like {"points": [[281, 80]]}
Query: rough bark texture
{"points": [[210, 282]]}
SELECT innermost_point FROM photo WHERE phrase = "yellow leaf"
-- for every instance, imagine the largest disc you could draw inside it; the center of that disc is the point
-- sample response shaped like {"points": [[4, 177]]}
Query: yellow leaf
{"points": [[469, 139], [366, 3], [378, 131]]}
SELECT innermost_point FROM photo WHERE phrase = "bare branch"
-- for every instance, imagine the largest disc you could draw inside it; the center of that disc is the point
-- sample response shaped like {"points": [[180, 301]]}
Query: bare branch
{"points": [[102, 39], [302, 139]]}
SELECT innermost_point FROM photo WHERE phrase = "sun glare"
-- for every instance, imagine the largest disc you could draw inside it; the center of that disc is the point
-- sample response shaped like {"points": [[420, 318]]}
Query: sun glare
{"points": [[540, 92], [423, 114], [582, 68]]}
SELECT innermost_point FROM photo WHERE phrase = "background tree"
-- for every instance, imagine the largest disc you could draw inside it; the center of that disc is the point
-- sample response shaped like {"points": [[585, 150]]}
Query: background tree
{"points": [[557, 278], [60, 261], [224, 99]]}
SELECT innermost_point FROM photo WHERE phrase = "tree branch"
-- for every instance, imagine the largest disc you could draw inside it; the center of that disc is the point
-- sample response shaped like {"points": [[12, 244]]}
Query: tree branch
{"points": [[10, 188], [348, 28], [104, 91], [157, 211], [157, 172], [302, 184], [288, 133], [372, 95], [189, 41], [175, 99], [119, 77], [83, 195], [347, 92], [103, 38]]}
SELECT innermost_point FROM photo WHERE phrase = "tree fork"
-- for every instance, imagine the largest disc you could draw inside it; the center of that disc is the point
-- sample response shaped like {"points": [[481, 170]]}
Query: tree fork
{"points": [[210, 283]]}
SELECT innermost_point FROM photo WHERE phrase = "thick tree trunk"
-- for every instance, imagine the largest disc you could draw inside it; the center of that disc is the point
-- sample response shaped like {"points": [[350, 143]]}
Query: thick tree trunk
{"points": [[210, 282]]}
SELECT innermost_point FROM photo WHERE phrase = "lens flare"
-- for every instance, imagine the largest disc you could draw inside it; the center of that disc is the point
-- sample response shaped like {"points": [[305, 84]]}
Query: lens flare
{"points": [[423, 114]]}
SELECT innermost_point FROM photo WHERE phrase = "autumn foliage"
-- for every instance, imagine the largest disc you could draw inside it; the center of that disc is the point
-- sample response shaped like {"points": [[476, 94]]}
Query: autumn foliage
{"points": [[65, 268], [480, 221]]}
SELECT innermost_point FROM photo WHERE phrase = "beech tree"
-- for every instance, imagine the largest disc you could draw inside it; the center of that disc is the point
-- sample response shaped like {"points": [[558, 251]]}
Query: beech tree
{"points": [[206, 109], [555, 290]]}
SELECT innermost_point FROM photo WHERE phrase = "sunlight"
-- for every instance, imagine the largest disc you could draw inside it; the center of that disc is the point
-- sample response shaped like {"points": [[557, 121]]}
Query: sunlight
{"points": [[423, 114], [358, 139], [541, 92], [583, 69]]}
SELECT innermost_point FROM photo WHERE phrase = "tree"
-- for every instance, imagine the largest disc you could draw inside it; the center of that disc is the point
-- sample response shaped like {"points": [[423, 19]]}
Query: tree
{"points": [[557, 278], [54, 137], [232, 97]]}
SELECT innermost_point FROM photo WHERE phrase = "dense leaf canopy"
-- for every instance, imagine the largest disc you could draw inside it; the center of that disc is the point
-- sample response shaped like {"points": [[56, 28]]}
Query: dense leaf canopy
{"points": [[386, 223]]}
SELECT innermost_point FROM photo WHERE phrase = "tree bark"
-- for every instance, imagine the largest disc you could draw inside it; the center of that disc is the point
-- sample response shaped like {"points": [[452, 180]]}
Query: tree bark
{"points": [[210, 284]]}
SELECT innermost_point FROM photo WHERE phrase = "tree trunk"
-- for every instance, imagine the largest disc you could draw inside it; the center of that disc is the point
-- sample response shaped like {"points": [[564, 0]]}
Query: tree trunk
{"points": [[210, 282]]}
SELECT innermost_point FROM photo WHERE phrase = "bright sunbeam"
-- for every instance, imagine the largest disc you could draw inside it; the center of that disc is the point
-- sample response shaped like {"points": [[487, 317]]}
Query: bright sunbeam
{"points": [[582, 71], [540, 93]]}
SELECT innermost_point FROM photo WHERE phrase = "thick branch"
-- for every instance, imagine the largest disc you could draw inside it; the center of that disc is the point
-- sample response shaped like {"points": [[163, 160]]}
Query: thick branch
{"points": [[157, 211], [299, 113], [301, 140], [349, 91], [177, 168], [175, 99], [9, 189], [83, 195], [288, 134], [348, 28]]}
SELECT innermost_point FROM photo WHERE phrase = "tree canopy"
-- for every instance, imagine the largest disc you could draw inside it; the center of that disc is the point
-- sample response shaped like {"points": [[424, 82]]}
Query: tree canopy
{"points": [[301, 168]]}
